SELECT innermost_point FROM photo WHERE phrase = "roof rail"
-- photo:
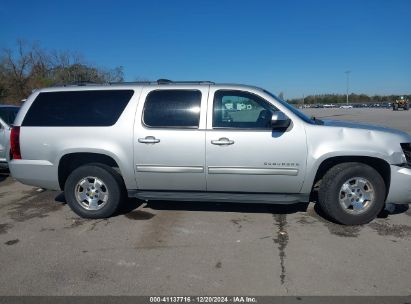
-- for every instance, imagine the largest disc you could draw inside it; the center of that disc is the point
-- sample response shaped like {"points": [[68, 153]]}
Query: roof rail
{"points": [[130, 82], [90, 83], [83, 83], [167, 81], [77, 83], [159, 81]]}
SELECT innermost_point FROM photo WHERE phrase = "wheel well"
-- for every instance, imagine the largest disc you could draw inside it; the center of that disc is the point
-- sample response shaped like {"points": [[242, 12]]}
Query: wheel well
{"points": [[72, 161], [380, 165]]}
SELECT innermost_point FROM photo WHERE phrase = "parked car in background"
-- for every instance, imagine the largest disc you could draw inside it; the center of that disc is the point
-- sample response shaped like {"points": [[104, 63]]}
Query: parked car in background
{"points": [[401, 103], [7, 115], [346, 107]]}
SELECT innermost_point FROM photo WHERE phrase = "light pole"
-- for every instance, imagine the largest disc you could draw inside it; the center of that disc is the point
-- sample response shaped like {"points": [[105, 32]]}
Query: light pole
{"points": [[348, 82]]}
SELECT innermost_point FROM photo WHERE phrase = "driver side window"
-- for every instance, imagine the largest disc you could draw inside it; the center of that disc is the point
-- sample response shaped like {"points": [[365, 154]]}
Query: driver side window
{"points": [[242, 110]]}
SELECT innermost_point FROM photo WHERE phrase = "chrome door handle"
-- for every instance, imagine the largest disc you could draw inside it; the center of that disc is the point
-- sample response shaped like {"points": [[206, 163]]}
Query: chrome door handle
{"points": [[148, 140], [223, 141]]}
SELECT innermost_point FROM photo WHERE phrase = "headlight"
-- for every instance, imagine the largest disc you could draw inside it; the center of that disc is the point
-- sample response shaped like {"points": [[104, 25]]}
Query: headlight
{"points": [[406, 148]]}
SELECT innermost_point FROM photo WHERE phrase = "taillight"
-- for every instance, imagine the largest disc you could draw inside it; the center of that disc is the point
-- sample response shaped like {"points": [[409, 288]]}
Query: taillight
{"points": [[15, 143]]}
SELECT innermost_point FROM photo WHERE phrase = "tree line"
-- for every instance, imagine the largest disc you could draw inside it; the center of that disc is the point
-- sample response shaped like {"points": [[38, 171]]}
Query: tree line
{"points": [[342, 98], [29, 66]]}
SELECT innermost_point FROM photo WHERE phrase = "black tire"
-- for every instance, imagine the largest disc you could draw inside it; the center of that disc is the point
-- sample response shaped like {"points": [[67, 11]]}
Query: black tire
{"points": [[113, 182], [333, 180]]}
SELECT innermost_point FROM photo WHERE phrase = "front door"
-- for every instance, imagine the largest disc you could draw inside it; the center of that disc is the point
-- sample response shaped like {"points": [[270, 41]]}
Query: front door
{"points": [[169, 138], [244, 154]]}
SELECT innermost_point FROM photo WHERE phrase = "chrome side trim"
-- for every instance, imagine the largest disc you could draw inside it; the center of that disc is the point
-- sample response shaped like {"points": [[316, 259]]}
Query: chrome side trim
{"points": [[253, 171], [169, 169]]}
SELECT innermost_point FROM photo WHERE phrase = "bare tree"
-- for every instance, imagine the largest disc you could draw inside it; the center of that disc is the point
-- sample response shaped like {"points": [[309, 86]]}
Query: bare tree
{"points": [[15, 71], [28, 66]]}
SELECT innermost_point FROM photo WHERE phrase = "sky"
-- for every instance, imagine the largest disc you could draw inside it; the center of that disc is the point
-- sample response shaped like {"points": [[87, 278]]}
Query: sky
{"points": [[295, 47]]}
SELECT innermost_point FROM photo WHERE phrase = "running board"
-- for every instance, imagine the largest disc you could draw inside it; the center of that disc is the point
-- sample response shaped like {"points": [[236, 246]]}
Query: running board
{"points": [[234, 197]]}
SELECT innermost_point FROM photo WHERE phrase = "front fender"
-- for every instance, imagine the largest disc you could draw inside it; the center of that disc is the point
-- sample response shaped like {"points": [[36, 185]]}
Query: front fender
{"points": [[326, 142]]}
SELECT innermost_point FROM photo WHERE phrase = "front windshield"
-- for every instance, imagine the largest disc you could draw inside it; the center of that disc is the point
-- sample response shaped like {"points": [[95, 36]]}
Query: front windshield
{"points": [[8, 114], [292, 109]]}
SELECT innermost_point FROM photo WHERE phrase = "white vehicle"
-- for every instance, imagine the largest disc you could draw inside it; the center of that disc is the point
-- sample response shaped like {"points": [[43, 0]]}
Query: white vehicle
{"points": [[346, 107]]}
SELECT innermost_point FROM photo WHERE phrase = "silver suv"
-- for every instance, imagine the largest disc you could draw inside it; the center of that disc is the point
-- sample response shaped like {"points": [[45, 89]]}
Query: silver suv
{"points": [[201, 141]]}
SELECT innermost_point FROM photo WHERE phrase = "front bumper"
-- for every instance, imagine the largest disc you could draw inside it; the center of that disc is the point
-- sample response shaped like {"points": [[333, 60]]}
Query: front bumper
{"points": [[400, 186]]}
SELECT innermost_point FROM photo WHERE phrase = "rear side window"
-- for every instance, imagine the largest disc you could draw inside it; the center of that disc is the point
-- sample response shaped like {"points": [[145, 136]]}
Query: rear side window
{"points": [[77, 108], [172, 109]]}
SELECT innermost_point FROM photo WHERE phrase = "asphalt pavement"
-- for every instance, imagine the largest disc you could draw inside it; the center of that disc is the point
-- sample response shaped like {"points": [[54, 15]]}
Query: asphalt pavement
{"points": [[173, 248]]}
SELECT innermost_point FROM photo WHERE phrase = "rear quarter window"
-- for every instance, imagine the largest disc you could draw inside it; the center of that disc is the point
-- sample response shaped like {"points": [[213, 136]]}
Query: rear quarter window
{"points": [[77, 108]]}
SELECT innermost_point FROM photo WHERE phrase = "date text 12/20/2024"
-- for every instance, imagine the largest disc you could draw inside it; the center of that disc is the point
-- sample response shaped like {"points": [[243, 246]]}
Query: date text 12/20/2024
{"points": [[203, 299]]}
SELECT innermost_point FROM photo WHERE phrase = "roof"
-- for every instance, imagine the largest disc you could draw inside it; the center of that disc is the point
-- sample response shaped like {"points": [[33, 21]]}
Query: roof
{"points": [[160, 82]]}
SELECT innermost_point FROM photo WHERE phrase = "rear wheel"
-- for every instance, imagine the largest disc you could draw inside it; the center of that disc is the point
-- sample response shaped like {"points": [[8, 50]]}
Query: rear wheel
{"points": [[94, 191], [352, 193]]}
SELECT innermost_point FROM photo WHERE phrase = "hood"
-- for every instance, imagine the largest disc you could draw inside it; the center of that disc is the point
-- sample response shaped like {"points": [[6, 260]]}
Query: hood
{"points": [[363, 126]]}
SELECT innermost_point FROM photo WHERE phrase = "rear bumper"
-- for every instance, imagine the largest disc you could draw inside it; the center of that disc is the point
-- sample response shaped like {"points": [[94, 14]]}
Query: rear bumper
{"points": [[400, 186], [38, 173]]}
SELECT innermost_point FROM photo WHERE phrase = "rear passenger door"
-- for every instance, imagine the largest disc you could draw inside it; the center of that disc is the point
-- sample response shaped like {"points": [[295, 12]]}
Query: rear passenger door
{"points": [[169, 138]]}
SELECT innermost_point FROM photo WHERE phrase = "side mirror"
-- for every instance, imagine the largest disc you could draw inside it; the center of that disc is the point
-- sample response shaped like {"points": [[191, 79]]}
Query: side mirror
{"points": [[280, 121]]}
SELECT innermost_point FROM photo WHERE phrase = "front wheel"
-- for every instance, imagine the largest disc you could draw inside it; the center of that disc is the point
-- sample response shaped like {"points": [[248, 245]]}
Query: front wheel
{"points": [[94, 191], [352, 193]]}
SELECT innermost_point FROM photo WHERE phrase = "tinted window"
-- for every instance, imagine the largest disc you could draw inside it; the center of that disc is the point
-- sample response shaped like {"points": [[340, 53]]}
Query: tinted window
{"points": [[238, 109], [8, 114], [78, 108], [172, 108]]}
